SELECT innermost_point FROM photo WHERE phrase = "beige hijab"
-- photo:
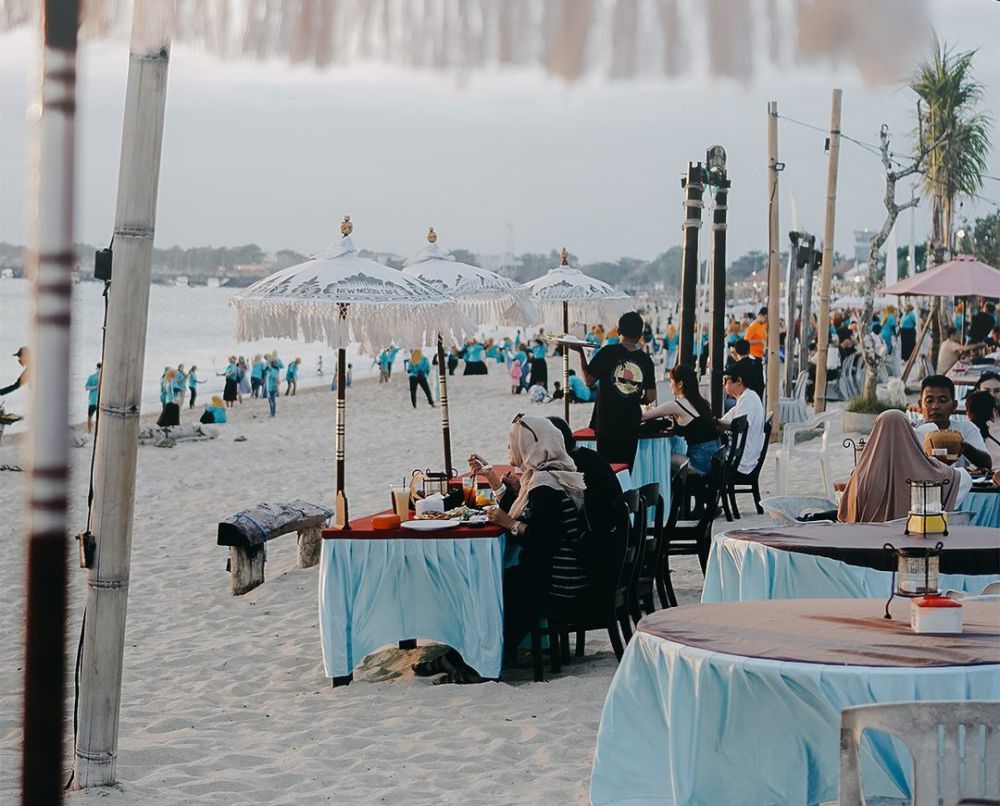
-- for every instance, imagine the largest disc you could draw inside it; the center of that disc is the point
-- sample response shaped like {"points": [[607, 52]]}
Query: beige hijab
{"points": [[538, 448], [877, 490]]}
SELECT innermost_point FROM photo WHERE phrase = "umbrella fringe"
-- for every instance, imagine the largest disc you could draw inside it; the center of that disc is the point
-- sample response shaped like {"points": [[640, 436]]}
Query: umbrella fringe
{"points": [[508, 308], [372, 325], [584, 311]]}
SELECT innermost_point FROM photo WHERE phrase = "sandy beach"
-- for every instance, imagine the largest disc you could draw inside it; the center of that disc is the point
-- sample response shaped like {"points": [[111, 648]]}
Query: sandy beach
{"points": [[225, 700]]}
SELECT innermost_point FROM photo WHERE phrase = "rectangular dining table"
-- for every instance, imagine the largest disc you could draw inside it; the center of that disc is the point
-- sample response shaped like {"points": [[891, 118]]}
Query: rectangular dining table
{"points": [[377, 588]]}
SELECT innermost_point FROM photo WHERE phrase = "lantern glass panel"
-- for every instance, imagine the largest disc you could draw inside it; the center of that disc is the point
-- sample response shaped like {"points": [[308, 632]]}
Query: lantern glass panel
{"points": [[925, 499], [918, 575]]}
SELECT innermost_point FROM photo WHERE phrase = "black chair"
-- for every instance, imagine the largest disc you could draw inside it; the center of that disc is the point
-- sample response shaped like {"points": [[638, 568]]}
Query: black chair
{"points": [[694, 536], [749, 483], [678, 481], [604, 608], [641, 599], [737, 443]]}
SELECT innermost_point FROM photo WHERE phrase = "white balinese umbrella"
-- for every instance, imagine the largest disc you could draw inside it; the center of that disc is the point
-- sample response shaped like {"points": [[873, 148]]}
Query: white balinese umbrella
{"points": [[485, 296], [338, 298], [570, 296]]}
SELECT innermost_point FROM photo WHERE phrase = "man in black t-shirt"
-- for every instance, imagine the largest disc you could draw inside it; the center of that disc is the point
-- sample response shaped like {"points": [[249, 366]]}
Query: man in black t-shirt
{"points": [[626, 379]]}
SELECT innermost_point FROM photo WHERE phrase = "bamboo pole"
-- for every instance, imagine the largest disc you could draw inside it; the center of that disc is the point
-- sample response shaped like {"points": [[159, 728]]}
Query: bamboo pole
{"points": [[565, 363], [121, 391], [773, 271], [50, 264], [342, 516], [826, 274], [445, 416]]}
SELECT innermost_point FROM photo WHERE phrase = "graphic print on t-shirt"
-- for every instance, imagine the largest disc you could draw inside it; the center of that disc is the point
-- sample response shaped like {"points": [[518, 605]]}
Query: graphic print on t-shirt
{"points": [[627, 378]]}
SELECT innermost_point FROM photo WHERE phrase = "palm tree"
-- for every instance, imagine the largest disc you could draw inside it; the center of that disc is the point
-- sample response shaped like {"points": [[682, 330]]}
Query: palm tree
{"points": [[958, 138]]}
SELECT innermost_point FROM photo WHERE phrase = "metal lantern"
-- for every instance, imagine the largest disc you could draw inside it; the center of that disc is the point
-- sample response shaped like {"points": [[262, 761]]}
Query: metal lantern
{"points": [[432, 482], [858, 447], [927, 515], [916, 571]]}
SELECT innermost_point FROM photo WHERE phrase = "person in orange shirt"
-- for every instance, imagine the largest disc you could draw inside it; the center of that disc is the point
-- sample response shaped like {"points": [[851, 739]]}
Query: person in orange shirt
{"points": [[757, 334]]}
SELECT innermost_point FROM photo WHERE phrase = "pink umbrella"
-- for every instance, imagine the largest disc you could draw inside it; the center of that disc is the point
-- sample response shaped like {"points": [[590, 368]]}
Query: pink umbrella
{"points": [[962, 277]]}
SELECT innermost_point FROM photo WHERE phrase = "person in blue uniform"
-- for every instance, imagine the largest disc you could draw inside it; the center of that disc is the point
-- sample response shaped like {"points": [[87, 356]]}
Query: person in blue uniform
{"points": [[193, 382], [539, 369], [474, 364], [418, 368], [256, 376], [215, 412], [274, 367], [93, 386]]}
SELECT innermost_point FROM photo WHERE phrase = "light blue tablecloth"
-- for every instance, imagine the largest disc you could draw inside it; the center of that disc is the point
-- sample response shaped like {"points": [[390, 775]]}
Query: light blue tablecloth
{"points": [[986, 506], [373, 593], [687, 726], [740, 570], [652, 462]]}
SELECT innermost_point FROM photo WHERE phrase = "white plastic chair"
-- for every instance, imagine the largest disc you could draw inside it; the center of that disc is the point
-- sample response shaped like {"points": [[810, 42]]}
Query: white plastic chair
{"points": [[793, 409], [817, 449], [954, 745], [787, 509]]}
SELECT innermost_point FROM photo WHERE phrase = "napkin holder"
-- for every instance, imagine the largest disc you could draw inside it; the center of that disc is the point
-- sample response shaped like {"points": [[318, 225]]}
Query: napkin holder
{"points": [[936, 615], [432, 503]]}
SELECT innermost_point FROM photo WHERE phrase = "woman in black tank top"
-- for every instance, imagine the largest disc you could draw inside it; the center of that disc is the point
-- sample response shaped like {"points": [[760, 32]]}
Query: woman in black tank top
{"points": [[692, 417]]}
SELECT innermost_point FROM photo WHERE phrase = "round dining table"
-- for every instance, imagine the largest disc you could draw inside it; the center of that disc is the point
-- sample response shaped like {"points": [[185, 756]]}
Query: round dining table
{"points": [[839, 560], [740, 702], [983, 501]]}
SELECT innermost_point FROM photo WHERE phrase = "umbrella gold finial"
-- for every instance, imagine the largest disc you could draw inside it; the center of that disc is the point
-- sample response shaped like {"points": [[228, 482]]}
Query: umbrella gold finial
{"points": [[346, 227], [432, 236], [564, 257]]}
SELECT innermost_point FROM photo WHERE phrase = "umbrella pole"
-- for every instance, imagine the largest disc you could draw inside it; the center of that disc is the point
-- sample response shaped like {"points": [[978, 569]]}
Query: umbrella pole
{"points": [[343, 520], [565, 358], [445, 420]]}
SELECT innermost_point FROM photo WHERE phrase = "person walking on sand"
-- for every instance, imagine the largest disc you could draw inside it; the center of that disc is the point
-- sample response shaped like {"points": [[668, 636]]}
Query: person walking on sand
{"points": [[22, 380], [93, 386], [193, 382], [231, 374], [273, 379], [418, 368], [256, 375], [180, 383], [166, 388], [242, 378], [292, 377], [515, 377]]}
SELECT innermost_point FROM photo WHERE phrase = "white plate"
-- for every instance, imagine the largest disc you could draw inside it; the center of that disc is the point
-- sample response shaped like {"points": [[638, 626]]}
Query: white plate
{"points": [[475, 520], [429, 525]]}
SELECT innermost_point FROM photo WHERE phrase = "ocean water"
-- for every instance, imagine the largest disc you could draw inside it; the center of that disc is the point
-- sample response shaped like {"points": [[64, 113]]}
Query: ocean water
{"points": [[187, 325]]}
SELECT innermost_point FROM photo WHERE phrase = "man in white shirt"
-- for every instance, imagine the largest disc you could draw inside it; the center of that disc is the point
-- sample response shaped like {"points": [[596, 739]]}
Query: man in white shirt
{"points": [[937, 402], [748, 405]]}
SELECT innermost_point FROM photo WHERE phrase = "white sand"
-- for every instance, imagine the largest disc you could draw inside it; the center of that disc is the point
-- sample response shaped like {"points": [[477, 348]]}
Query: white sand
{"points": [[225, 698]]}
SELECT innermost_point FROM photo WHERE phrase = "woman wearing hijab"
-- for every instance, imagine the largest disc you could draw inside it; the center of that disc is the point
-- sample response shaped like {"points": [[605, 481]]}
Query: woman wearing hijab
{"points": [[877, 490], [542, 513]]}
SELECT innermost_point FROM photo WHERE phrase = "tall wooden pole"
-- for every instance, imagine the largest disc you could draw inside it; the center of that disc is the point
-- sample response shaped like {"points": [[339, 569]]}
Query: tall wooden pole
{"points": [[50, 264], [445, 415], [121, 392], [805, 319], [717, 333], [773, 270], [565, 363], [693, 189], [826, 274], [791, 303], [343, 519]]}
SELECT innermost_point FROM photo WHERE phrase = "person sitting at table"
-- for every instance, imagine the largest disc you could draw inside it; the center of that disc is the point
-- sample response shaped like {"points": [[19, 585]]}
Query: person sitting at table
{"points": [[877, 490], [952, 350], [981, 409], [600, 480], [937, 403], [543, 514], [692, 415], [578, 390], [747, 405], [740, 354]]}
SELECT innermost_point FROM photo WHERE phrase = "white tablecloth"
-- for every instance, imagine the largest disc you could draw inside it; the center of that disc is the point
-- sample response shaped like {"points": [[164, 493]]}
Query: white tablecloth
{"points": [[740, 570], [686, 726], [375, 592]]}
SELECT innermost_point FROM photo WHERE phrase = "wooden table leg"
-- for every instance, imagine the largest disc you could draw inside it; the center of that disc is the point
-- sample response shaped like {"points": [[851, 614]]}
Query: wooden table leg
{"points": [[345, 680]]}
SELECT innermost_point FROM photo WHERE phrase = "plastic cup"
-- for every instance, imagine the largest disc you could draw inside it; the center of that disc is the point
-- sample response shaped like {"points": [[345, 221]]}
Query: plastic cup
{"points": [[401, 502]]}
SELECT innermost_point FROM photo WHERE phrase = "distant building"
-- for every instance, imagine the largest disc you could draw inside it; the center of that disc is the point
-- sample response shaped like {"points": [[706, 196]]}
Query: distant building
{"points": [[862, 241], [506, 264]]}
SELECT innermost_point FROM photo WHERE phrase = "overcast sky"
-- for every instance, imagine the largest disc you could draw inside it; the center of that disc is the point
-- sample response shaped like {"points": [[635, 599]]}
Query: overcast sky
{"points": [[267, 153]]}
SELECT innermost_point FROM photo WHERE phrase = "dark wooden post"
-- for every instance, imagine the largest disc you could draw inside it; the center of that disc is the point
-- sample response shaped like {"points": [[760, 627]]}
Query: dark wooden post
{"points": [[693, 186]]}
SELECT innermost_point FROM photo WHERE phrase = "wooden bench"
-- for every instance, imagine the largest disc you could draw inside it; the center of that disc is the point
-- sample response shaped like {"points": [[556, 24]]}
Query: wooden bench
{"points": [[246, 534]]}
